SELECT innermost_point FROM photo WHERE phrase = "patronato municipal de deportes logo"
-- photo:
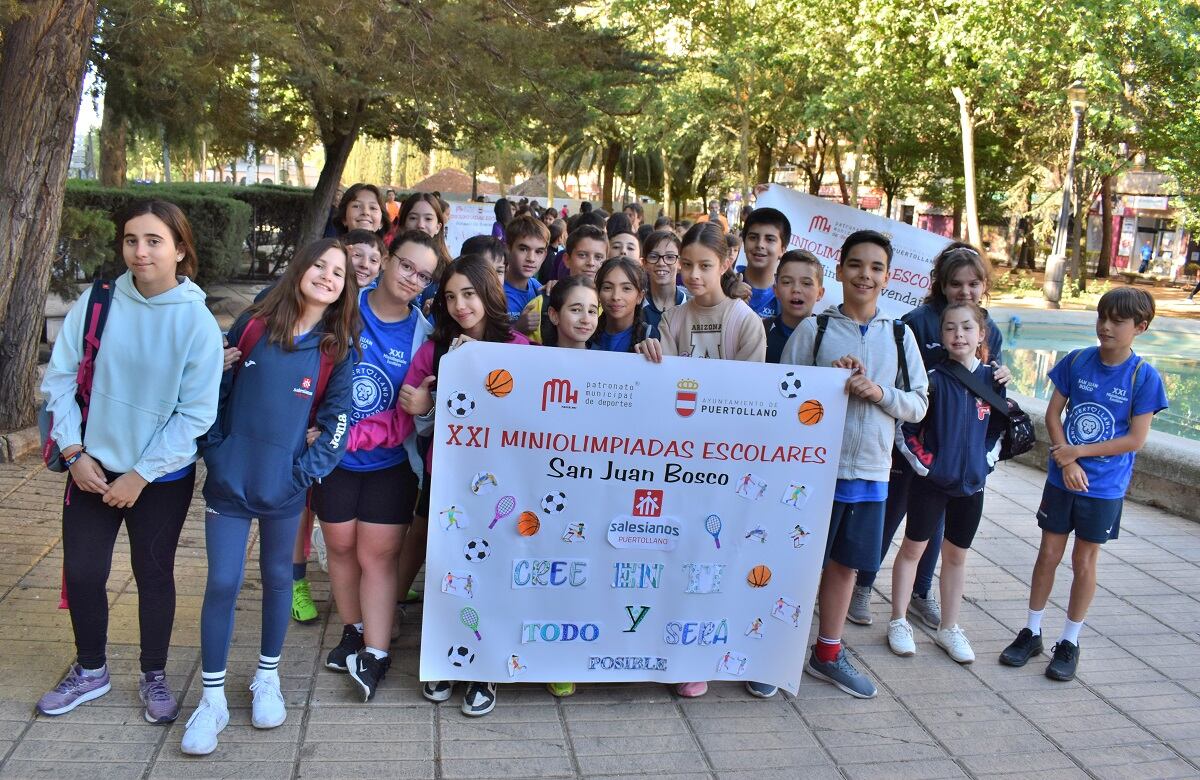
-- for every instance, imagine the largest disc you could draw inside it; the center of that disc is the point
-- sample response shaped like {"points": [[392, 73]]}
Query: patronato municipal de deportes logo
{"points": [[685, 397], [559, 392]]}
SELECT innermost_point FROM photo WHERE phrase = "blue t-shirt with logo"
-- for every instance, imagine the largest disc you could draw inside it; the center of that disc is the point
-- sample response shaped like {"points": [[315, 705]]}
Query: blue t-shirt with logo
{"points": [[614, 342], [763, 302], [1101, 401], [518, 299], [387, 350]]}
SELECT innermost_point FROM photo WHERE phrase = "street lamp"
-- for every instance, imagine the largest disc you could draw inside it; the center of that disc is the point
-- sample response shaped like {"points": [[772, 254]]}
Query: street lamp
{"points": [[1056, 264]]}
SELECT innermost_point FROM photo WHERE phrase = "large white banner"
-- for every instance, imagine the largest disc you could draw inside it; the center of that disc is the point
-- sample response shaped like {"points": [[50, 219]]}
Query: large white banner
{"points": [[596, 517], [820, 226]]}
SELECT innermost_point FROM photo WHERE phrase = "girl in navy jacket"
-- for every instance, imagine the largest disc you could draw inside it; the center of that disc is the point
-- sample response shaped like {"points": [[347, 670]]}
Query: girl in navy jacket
{"points": [[261, 466], [951, 452], [960, 274]]}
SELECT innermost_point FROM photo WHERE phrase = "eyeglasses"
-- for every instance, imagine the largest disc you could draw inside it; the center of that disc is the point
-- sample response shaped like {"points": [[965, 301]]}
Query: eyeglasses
{"points": [[655, 257], [410, 271]]}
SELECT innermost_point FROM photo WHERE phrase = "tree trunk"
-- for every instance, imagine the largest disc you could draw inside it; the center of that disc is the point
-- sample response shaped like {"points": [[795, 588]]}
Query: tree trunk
{"points": [[166, 153], [474, 174], [967, 121], [666, 202], [41, 79], [550, 175], [337, 150], [1106, 227], [301, 179], [1079, 271], [114, 138], [765, 161], [608, 173], [841, 175], [744, 148]]}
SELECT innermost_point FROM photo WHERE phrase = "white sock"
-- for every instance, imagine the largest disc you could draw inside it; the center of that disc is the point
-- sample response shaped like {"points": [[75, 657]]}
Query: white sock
{"points": [[93, 673], [358, 627], [1034, 624], [214, 688], [379, 654], [1070, 631], [268, 666]]}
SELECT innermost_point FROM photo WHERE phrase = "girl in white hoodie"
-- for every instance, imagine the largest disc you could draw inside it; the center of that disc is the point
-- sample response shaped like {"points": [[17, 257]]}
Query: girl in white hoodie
{"points": [[154, 391]]}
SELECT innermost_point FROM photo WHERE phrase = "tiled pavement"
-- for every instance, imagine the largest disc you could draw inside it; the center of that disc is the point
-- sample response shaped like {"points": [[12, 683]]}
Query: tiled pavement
{"points": [[1134, 712]]}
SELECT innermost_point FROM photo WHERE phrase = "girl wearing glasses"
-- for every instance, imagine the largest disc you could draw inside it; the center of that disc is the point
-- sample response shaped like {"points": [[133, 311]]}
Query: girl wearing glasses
{"points": [[366, 504], [661, 261]]}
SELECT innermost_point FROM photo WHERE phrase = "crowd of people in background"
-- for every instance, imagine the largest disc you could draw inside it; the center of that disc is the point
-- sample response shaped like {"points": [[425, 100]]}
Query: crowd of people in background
{"points": [[298, 423]]}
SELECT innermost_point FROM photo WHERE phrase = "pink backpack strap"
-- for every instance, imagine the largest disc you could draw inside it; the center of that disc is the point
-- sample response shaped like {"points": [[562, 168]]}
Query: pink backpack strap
{"points": [[251, 335], [322, 382]]}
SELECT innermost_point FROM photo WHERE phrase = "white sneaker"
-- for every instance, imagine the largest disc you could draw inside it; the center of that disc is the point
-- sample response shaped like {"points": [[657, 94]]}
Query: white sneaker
{"points": [[318, 543], [267, 710], [900, 637], [955, 643], [200, 736]]}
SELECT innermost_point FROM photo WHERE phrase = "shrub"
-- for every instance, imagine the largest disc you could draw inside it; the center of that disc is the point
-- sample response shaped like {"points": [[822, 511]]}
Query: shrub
{"points": [[85, 240], [220, 223]]}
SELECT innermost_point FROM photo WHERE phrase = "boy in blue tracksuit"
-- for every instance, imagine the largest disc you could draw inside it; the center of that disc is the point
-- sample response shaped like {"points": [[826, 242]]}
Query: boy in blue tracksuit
{"points": [[260, 465], [1110, 396]]}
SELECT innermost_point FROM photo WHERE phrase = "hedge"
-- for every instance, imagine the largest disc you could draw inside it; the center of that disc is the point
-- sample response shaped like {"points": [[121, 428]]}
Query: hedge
{"points": [[220, 224]]}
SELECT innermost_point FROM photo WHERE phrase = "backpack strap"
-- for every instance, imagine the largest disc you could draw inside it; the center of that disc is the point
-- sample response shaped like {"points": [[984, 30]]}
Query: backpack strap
{"points": [[1071, 370], [99, 302], [898, 328], [822, 324], [251, 335], [972, 383], [1133, 386], [323, 375]]}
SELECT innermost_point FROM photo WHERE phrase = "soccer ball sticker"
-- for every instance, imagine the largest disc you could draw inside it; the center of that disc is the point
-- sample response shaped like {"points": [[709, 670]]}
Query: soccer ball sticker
{"points": [[476, 550], [554, 502], [460, 656], [789, 386], [460, 404]]}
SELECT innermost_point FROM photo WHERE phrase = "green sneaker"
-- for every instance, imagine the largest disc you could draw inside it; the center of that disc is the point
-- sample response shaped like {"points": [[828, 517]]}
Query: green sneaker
{"points": [[412, 597], [303, 608], [561, 689]]}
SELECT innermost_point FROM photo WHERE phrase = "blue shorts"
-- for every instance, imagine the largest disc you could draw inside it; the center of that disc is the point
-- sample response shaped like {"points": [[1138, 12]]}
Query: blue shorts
{"points": [[1092, 519], [856, 535]]}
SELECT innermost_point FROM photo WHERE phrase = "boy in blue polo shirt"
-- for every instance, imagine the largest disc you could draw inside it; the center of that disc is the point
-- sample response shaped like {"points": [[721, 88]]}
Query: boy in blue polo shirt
{"points": [[1110, 396]]}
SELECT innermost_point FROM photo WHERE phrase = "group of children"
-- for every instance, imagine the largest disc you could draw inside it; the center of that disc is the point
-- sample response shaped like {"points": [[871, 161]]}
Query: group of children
{"points": [[328, 382]]}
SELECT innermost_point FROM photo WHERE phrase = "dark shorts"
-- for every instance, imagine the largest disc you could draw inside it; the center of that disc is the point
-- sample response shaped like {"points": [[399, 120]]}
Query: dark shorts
{"points": [[422, 509], [925, 507], [856, 535], [385, 497], [1092, 519]]}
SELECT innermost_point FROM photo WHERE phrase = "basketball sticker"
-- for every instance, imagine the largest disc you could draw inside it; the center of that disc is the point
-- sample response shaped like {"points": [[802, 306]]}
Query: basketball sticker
{"points": [[528, 524], [810, 412], [499, 383], [759, 576]]}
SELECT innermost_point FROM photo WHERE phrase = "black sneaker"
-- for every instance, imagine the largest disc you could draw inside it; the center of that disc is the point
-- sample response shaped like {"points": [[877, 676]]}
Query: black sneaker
{"points": [[480, 699], [367, 671], [1064, 662], [1025, 646], [351, 643]]}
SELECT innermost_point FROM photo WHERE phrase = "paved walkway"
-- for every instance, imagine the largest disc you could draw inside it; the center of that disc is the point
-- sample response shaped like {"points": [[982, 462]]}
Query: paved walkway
{"points": [[1134, 712]]}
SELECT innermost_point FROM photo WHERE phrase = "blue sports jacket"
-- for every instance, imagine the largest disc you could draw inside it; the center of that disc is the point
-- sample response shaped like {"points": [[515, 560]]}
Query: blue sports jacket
{"points": [[258, 462]]}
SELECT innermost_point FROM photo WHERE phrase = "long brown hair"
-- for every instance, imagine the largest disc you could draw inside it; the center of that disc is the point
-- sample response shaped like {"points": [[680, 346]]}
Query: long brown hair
{"points": [[635, 273], [282, 305], [956, 255], [710, 236], [339, 219], [435, 203], [174, 218], [483, 278]]}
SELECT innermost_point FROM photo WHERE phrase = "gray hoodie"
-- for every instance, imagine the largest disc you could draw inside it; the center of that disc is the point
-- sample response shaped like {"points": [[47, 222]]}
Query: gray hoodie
{"points": [[870, 428]]}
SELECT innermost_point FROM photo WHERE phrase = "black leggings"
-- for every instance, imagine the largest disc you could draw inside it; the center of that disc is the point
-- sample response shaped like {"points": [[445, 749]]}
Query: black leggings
{"points": [[89, 534], [926, 507]]}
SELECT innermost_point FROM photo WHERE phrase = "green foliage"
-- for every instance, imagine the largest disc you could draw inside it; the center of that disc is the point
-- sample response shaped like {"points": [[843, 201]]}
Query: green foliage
{"points": [[85, 241], [219, 222]]}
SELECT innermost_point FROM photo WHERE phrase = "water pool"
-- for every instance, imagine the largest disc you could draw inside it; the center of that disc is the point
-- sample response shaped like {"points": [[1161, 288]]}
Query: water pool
{"points": [[1038, 345]]}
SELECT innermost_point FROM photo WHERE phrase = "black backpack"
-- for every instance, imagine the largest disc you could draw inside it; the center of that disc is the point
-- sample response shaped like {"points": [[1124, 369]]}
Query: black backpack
{"points": [[898, 328], [1018, 435]]}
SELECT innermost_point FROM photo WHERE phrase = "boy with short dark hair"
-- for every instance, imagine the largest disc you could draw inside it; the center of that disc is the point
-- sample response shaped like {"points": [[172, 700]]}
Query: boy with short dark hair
{"points": [[527, 239], [586, 251], [765, 237], [635, 213], [799, 284], [887, 383], [1110, 396]]}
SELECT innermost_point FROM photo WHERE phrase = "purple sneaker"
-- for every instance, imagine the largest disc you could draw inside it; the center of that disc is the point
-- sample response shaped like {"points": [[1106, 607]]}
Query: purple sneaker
{"points": [[154, 692], [74, 690]]}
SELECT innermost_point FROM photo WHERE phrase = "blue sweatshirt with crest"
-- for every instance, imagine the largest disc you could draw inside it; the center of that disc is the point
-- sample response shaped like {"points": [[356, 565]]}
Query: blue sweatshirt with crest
{"points": [[258, 462]]}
